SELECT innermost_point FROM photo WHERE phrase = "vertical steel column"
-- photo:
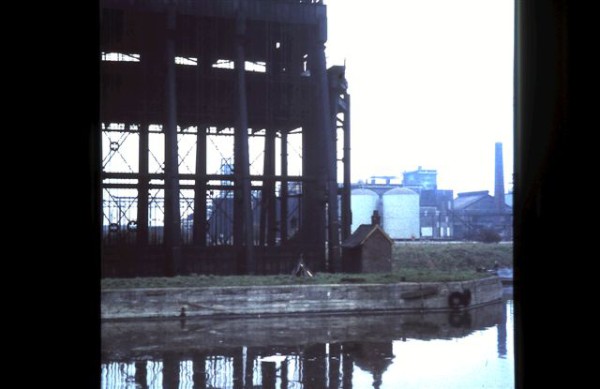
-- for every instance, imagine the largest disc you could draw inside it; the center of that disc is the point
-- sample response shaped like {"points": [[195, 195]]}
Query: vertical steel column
{"points": [[313, 195], [199, 237], [264, 197], [333, 230], [143, 187], [346, 192], [269, 182], [327, 132], [200, 219], [238, 210], [262, 236], [267, 190], [149, 64], [243, 207], [283, 223], [172, 227], [314, 158]]}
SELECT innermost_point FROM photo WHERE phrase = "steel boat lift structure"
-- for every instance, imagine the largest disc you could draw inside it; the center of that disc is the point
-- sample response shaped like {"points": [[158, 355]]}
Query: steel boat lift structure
{"points": [[245, 70]]}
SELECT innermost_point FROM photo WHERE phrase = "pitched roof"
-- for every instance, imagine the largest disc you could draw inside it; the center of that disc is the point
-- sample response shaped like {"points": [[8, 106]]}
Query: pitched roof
{"points": [[362, 233], [467, 199]]}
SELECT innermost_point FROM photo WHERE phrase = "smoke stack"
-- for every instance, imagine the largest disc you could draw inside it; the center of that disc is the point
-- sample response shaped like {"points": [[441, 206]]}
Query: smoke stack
{"points": [[499, 187]]}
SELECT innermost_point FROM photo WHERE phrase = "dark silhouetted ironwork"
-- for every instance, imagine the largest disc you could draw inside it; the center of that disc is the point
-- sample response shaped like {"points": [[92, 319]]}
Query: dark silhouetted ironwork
{"points": [[185, 84]]}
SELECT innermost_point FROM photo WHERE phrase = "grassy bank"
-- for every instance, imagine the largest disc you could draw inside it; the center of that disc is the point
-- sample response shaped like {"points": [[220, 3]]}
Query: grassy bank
{"points": [[419, 262], [449, 257]]}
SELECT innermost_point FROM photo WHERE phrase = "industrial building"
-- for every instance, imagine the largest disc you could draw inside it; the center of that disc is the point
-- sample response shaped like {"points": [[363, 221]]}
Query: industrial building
{"points": [[436, 213], [435, 204], [475, 212], [421, 179], [426, 212], [183, 79], [410, 209]]}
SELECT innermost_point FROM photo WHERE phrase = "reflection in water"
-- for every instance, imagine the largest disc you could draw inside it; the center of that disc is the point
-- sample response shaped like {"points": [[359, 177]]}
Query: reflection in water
{"points": [[460, 319], [502, 334], [378, 351], [372, 357]]}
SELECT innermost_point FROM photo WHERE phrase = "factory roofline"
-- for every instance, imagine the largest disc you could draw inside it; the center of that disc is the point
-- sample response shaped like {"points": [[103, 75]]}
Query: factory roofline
{"points": [[475, 193], [467, 199]]}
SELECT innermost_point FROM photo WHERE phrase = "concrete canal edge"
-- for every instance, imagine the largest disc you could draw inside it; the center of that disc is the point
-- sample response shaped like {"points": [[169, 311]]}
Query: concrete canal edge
{"points": [[298, 299]]}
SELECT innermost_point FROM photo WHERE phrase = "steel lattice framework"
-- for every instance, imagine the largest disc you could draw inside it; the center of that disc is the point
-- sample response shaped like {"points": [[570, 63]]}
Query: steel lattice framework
{"points": [[220, 129]]}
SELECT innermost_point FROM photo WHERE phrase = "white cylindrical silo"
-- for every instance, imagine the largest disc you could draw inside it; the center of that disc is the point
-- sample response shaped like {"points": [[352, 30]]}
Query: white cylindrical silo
{"points": [[364, 202], [401, 213]]}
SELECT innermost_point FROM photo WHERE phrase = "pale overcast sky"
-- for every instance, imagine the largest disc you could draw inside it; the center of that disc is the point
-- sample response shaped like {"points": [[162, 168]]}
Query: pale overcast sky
{"points": [[431, 84]]}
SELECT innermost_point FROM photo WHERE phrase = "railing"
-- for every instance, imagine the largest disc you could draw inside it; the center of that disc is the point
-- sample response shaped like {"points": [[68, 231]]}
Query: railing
{"points": [[120, 225]]}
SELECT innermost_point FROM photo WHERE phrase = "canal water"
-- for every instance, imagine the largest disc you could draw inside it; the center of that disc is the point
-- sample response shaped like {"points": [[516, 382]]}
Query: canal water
{"points": [[471, 349]]}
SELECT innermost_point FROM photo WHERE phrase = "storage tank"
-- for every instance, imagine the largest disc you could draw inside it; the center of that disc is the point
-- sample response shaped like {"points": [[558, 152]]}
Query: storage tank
{"points": [[401, 213], [364, 202]]}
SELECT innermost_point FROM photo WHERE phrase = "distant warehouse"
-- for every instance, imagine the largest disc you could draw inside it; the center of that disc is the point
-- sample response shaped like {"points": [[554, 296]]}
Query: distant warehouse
{"points": [[416, 209], [478, 211]]}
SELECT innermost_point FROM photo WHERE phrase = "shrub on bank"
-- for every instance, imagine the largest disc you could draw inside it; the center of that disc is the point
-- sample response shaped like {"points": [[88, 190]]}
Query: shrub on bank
{"points": [[487, 235]]}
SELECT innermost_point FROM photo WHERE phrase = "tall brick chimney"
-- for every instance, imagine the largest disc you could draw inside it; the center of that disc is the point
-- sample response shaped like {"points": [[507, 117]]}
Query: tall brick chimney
{"points": [[499, 179]]}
